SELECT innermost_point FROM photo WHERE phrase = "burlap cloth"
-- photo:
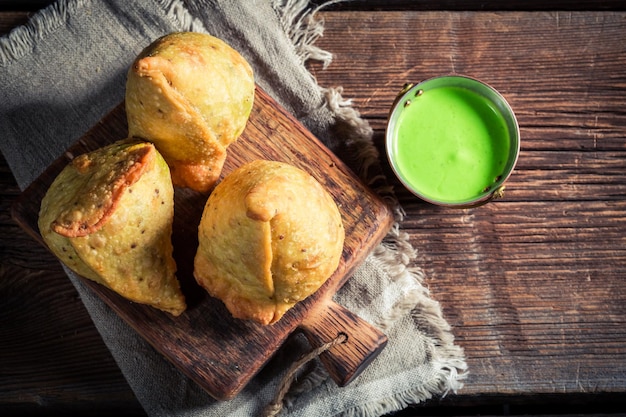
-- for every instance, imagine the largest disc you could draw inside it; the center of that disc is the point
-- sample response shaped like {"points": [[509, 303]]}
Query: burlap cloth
{"points": [[65, 69]]}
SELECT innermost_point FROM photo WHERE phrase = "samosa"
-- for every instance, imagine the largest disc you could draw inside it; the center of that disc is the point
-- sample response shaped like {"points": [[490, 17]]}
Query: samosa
{"points": [[190, 94], [108, 217], [270, 236]]}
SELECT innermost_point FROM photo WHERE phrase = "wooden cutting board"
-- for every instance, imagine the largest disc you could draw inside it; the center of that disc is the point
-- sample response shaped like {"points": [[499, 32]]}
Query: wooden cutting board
{"points": [[218, 352]]}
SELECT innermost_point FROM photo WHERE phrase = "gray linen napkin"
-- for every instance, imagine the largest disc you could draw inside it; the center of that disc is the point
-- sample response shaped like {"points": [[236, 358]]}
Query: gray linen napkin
{"points": [[65, 69]]}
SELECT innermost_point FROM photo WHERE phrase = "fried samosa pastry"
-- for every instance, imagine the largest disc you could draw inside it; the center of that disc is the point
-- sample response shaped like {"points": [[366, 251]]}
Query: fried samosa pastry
{"points": [[190, 94], [270, 236], [108, 217]]}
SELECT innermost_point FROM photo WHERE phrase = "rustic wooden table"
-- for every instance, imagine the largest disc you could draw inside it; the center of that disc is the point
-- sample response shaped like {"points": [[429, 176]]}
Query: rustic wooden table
{"points": [[534, 284]]}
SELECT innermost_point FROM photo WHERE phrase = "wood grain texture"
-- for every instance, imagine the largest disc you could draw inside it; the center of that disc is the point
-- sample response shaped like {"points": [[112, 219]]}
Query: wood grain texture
{"points": [[217, 351], [362, 344], [51, 355], [467, 5], [387, 5], [52, 359], [533, 284]]}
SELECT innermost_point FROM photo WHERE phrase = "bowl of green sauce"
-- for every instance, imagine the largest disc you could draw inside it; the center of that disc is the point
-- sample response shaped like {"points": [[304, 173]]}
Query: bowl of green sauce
{"points": [[452, 141]]}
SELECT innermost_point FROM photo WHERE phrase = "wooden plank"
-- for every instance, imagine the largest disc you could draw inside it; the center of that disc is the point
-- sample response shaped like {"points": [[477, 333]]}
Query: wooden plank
{"points": [[533, 284], [51, 354], [217, 351], [477, 5], [374, 5], [565, 79], [9, 20], [388, 5]]}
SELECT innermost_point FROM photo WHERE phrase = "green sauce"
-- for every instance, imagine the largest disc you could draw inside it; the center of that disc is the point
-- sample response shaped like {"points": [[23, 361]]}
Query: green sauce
{"points": [[451, 144]]}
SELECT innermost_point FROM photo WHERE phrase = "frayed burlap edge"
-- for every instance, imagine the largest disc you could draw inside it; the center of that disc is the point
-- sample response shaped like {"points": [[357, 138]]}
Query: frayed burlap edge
{"points": [[21, 40], [395, 254]]}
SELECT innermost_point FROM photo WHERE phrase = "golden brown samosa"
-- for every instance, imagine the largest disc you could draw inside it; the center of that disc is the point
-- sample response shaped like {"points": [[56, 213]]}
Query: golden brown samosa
{"points": [[190, 94], [108, 217], [270, 236]]}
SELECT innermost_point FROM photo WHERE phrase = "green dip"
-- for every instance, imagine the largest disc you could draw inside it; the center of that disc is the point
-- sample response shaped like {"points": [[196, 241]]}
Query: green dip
{"points": [[451, 144]]}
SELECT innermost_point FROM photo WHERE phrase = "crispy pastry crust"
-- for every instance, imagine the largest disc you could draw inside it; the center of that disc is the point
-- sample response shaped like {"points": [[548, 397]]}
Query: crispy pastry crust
{"points": [[269, 237], [190, 94], [108, 216]]}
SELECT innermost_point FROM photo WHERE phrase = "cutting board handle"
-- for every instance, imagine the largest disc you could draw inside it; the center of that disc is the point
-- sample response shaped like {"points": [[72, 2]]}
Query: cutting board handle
{"points": [[344, 361]]}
